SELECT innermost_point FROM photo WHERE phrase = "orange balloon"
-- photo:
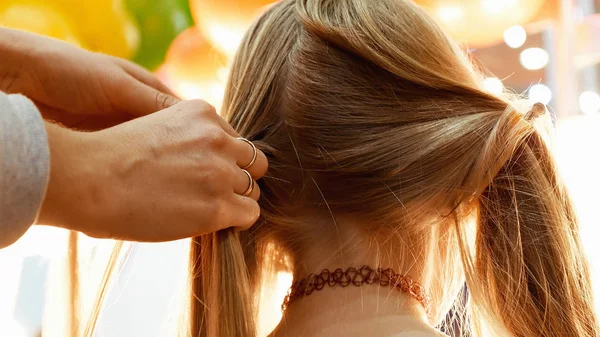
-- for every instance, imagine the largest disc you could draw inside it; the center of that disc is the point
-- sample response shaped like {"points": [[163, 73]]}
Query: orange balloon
{"points": [[224, 22], [480, 23], [194, 68]]}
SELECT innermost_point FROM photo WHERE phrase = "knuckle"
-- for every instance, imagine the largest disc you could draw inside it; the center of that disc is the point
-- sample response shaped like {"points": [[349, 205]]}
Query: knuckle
{"points": [[221, 217], [224, 174], [216, 179], [214, 138], [203, 108], [215, 211]]}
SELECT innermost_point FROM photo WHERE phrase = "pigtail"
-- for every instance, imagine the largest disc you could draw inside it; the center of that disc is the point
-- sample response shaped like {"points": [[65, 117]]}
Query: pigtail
{"points": [[529, 273]]}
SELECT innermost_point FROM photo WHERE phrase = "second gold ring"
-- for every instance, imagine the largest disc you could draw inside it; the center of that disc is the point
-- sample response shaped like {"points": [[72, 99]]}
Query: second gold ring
{"points": [[250, 184]]}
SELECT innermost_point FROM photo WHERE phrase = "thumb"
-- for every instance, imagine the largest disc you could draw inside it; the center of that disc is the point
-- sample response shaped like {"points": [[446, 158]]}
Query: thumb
{"points": [[140, 99]]}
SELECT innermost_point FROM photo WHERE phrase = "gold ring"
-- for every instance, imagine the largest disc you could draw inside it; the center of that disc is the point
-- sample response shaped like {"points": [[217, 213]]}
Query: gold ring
{"points": [[254, 153], [250, 184]]}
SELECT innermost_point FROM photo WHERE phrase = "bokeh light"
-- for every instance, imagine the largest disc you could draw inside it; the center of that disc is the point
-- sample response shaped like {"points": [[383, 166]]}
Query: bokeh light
{"points": [[450, 13], [589, 102], [493, 85], [515, 36], [534, 58], [481, 23], [540, 93], [224, 22]]}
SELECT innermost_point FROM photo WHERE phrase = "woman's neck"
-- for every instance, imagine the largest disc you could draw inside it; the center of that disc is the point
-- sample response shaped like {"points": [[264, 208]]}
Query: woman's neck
{"points": [[355, 311], [369, 309]]}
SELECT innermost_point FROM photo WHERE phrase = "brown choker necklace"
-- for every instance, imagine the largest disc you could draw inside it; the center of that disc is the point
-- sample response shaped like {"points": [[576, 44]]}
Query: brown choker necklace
{"points": [[357, 277]]}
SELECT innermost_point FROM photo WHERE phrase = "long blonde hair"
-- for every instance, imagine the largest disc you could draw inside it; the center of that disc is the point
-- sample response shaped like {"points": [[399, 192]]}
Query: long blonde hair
{"points": [[367, 109]]}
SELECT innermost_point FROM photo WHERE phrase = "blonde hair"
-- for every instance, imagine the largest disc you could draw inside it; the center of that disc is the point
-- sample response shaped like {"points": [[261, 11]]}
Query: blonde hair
{"points": [[367, 109]]}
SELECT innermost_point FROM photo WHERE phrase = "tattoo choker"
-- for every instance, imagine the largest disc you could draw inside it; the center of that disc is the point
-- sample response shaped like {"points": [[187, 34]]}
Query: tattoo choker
{"points": [[357, 277]]}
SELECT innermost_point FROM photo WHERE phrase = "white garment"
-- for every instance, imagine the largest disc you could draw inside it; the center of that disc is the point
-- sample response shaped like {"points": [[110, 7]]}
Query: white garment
{"points": [[24, 166]]}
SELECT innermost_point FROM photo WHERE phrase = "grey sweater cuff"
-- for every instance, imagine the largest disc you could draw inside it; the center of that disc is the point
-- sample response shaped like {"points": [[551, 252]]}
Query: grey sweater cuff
{"points": [[24, 166]]}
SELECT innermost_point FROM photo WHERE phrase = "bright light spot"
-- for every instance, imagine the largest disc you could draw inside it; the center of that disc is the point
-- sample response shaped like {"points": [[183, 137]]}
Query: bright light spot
{"points": [[223, 74], [217, 92], [188, 90], [494, 7], [11, 265], [534, 58], [515, 36], [540, 93], [228, 39], [272, 296], [493, 85], [589, 102], [212, 92], [450, 13], [577, 138], [284, 280], [11, 328]]}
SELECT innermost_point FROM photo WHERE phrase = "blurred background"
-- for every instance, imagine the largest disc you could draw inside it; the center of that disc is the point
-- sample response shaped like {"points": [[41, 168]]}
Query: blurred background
{"points": [[546, 50]]}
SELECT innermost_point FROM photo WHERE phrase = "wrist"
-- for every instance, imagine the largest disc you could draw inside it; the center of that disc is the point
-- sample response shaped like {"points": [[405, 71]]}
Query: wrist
{"points": [[74, 173]]}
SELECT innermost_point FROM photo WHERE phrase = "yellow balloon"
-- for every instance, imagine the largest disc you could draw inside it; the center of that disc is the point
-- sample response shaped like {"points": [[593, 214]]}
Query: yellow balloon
{"points": [[104, 24], [224, 22], [101, 25], [40, 19], [480, 23], [194, 68]]}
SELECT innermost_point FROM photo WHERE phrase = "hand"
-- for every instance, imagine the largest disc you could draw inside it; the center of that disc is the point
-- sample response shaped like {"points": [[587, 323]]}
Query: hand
{"points": [[75, 87], [170, 175]]}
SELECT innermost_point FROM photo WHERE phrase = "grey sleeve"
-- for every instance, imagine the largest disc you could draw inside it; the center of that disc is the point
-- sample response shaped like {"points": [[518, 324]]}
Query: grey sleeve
{"points": [[24, 166]]}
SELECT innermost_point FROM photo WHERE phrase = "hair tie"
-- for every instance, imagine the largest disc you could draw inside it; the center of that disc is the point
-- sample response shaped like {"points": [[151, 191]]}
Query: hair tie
{"points": [[537, 110]]}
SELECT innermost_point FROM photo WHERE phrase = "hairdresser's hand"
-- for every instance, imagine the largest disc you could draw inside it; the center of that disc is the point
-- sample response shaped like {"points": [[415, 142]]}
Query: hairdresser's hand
{"points": [[76, 87], [170, 175]]}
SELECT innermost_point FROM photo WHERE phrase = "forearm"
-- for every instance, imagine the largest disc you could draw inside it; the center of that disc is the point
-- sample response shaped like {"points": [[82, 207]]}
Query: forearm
{"points": [[15, 54], [24, 57], [48, 174]]}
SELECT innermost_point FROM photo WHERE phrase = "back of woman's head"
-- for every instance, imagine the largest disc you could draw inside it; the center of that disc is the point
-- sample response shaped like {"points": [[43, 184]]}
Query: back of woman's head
{"points": [[366, 110]]}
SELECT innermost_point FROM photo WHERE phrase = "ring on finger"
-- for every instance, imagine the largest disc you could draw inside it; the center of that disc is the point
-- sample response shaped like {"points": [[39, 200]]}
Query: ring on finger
{"points": [[250, 184], [254, 153]]}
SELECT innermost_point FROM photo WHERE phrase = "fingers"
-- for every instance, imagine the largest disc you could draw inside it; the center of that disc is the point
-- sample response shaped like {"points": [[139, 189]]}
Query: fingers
{"points": [[246, 212], [142, 92], [244, 185], [249, 157], [207, 111], [139, 99], [244, 152], [142, 75], [226, 126], [155, 94]]}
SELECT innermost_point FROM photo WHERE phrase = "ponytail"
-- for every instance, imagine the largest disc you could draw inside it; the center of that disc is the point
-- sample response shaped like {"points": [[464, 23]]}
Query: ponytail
{"points": [[529, 272], [221, 300]]}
